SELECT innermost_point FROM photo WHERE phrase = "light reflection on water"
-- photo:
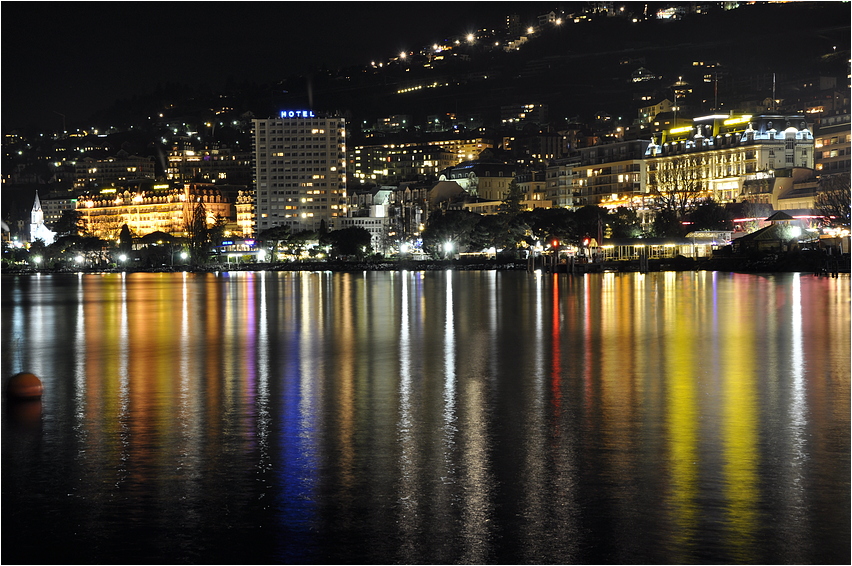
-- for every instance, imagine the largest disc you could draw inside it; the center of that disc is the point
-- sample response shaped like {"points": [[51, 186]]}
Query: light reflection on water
{"points": [[435, 417]]}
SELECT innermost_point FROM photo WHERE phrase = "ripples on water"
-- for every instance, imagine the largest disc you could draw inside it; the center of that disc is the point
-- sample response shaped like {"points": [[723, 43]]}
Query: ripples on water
{"points": [[440, 417]]}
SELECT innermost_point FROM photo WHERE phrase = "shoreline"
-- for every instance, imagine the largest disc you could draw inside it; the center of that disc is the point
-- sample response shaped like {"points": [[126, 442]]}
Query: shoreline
{"points": [[802, 263]]}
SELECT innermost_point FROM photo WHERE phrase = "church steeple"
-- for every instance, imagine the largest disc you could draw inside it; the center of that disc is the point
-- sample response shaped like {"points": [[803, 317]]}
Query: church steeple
{"points": [[37, 228], [37, 215]]}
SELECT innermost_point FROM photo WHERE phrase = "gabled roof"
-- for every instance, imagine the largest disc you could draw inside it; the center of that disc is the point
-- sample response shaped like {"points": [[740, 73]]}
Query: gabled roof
{"points": [[779, 216], [781, 231]]}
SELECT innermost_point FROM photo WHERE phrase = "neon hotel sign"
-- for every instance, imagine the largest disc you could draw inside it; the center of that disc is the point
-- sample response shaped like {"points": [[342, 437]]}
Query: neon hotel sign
{"points": [[297, 114]]}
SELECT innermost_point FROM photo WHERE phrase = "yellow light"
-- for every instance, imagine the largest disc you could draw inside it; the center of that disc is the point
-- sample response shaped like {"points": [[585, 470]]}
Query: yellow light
{"points": [[681, 130], [740, 120]]}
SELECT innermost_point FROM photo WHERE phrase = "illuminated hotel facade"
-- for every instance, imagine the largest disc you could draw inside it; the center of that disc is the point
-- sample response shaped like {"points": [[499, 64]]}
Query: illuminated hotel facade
{"points": [[299, 170], [732, 157], [161, 209]]}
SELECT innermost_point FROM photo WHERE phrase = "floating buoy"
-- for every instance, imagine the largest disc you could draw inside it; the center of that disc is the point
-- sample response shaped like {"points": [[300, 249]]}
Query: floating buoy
{"points": [[24, 386]]}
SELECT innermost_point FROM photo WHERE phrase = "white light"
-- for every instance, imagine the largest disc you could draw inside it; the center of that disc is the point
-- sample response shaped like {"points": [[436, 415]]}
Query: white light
{"points": [[79, 259], [448, 247], [122, 257]]}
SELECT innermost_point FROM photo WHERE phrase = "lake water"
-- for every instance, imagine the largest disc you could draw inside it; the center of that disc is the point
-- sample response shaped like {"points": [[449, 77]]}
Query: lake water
{"points": [[428, 417]]}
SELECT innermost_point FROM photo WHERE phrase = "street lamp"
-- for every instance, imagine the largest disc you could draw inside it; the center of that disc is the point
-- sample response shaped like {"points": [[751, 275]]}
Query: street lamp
{"points": [[448, 247]]}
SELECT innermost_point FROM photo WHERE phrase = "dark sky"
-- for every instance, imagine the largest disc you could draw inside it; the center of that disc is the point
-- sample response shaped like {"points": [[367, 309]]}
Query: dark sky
{"points": [[75, 58]]}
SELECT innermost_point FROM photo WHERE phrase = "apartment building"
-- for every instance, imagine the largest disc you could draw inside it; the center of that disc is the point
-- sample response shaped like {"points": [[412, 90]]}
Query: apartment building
{"points": [[299, 170], [186, 163], [610, 174], [93, 173], [832, 145], [561, 183], [392, 163], [395, 163]]}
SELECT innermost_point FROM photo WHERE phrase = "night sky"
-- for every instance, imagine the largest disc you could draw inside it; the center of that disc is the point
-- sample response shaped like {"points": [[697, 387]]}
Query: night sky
{"points": [[76, 58]]}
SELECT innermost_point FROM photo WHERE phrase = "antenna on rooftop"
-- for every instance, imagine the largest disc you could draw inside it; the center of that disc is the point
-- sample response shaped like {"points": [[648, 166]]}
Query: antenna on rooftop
{"points": [[774, 105]]}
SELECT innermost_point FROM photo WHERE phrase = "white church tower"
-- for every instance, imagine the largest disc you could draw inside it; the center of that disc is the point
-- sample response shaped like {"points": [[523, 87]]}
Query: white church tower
{"points": [[37, 228]]}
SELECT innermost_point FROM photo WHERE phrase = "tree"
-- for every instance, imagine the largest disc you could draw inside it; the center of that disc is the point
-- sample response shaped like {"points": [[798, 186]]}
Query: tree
{"points": [[198, 236], [710, 215], [70, 223], [756, 211], [299, 240], [512, 203], [353, 241], [833, 198], [548, 224], [276, 235], [453, 226], [125, 240], [676, 187], [624, 223], [501, 231], [590, 222]]}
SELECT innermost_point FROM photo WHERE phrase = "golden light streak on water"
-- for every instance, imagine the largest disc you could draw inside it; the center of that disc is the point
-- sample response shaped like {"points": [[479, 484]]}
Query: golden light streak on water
{"points": [[739, 427], [681, 417]]}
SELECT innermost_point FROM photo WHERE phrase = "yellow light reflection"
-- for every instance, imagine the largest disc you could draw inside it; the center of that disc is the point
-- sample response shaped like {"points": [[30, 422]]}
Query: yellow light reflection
{"points": [[682, 421], [739, 431]]}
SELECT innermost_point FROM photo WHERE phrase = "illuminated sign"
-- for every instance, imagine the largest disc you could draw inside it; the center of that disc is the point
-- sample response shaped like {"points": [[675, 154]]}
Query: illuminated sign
{"points": [[681, 130], [107, 191], [160, 187], [227, 242], [297, 114]]}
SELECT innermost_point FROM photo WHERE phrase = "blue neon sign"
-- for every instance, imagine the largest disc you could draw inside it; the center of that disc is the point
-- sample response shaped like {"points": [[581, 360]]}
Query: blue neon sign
{"points": [[297, 114]]}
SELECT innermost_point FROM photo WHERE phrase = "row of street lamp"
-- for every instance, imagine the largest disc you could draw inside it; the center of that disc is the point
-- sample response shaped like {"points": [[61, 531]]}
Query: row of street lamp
{"points": [[79, 259]]}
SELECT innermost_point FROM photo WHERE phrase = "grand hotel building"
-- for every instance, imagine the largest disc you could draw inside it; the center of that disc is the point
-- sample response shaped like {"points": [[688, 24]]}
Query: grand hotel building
{"points": [[299, 170], [735, 157]]}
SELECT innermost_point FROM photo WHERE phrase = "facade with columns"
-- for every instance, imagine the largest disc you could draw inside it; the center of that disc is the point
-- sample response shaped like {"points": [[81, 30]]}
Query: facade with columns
{"points": [[724, 155]]}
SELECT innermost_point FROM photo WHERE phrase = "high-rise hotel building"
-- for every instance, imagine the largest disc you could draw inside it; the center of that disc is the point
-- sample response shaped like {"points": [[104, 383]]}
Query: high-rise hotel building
{"points": [[299, 170]]}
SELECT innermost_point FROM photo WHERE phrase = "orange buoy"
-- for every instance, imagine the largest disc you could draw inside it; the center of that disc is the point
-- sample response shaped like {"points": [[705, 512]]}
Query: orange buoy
{"points": [[24, 386]]}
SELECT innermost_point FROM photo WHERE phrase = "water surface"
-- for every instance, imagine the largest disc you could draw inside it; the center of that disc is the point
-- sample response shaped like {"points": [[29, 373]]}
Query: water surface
{"points": [[428, 417]]}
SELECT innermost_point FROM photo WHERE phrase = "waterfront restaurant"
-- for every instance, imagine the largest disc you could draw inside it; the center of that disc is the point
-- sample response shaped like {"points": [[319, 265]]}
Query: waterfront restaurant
{"points": [[631, 249]]}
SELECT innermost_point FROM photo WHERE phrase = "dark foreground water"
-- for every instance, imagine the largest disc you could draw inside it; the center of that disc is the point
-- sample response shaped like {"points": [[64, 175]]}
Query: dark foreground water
{"points": [[440, 417]]}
